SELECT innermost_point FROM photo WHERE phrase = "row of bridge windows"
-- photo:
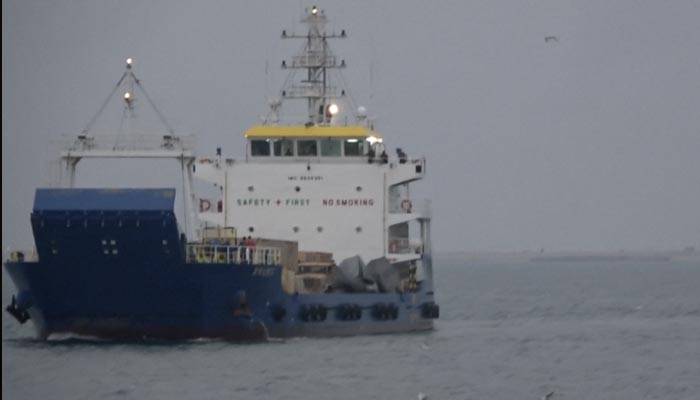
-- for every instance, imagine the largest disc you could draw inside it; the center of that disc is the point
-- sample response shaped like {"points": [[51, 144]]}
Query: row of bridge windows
{"points": [[352, 147], [296, 229]]}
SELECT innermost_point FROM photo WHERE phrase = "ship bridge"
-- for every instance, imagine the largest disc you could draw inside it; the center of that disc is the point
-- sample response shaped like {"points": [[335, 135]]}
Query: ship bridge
{"points": [[311, 143]]}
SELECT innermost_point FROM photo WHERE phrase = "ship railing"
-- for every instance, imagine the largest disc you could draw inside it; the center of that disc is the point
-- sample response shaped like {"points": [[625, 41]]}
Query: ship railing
{"points": [[313, 60], [405, 246], [132, 142], [304, 91], [227, 254], [292, 119]]}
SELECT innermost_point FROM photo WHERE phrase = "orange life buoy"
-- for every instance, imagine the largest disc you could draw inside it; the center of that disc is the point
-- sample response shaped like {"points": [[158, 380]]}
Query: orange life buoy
{"points": [[406, 205], [204, 205]]}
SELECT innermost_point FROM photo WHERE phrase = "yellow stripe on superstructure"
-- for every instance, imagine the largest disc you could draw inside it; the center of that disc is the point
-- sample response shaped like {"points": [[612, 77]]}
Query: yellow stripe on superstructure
{"points": [[264, 131]]}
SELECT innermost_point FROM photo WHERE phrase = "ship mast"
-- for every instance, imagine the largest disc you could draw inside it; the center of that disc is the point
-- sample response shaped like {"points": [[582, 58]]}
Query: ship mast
{"points": [[317, 59], [134, 146]]}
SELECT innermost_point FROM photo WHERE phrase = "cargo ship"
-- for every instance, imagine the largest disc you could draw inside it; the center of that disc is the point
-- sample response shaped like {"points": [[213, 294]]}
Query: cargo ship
{"points": [[312, 232]]}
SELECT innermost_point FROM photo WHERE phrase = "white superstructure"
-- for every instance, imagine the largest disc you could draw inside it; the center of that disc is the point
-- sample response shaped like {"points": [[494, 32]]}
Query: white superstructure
{"points": [[328, 185]]}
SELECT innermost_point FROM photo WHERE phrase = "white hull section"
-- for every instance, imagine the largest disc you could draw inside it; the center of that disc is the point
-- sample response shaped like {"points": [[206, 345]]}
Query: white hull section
{"points": [[344, 208]]}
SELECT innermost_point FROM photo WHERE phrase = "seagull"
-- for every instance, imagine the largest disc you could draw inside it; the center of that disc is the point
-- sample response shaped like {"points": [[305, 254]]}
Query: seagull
{"points": [[548, 39], [547, 396]]}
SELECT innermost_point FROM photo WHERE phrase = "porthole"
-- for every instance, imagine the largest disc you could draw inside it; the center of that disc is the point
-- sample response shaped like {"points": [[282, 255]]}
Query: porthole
{"points": [[251, 229], [359, 188], [358, 229], [250, 188], [319, 229], [295, 229], [297, 189]]}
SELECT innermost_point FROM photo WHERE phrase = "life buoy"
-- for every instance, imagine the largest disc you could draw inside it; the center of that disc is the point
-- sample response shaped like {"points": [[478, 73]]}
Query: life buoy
{"points": [[406, 206], [204, 205]]}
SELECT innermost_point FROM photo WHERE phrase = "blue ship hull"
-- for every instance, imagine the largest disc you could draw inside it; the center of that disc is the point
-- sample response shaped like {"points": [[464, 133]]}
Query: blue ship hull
{"points": [[113, 265]]}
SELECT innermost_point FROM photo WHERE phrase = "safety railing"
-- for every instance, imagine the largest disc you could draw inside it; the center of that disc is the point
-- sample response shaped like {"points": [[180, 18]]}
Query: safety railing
{"points": [[405, 246], [226, 254], [132, 141], [313, 60]]}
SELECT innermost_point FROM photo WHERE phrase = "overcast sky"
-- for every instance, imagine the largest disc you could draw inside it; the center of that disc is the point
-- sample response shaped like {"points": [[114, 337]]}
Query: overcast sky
{"points": [[587, 142]]}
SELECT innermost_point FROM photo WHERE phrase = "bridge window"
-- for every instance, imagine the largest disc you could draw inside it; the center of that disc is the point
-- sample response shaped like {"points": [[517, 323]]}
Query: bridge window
{"points": [[307, 148], [259, 147], [352, 147], [283, 148], [330, 148]]}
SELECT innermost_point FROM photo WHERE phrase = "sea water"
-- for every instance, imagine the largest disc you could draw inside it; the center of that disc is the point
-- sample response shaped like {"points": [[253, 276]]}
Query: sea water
{"points": [[509, 329]]}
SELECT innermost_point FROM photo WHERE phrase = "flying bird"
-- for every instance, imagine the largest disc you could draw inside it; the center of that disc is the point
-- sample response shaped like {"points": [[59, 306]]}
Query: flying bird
{"points": [[547, 396], [548, 39]]}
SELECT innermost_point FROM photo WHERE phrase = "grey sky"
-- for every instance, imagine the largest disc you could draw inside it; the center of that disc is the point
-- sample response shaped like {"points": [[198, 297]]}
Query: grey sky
{"points": [[591, 142]]}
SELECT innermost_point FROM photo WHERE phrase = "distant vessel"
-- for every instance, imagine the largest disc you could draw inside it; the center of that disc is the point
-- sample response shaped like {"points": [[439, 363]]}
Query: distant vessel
{"points": [[341, 247]]}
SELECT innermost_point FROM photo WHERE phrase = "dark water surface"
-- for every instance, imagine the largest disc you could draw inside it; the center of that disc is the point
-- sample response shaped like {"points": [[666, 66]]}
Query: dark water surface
{"points": [[508, 330]]}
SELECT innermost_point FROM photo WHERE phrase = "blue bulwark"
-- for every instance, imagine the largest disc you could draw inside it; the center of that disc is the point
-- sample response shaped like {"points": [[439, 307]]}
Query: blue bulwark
{"points": [[104, 199]]}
